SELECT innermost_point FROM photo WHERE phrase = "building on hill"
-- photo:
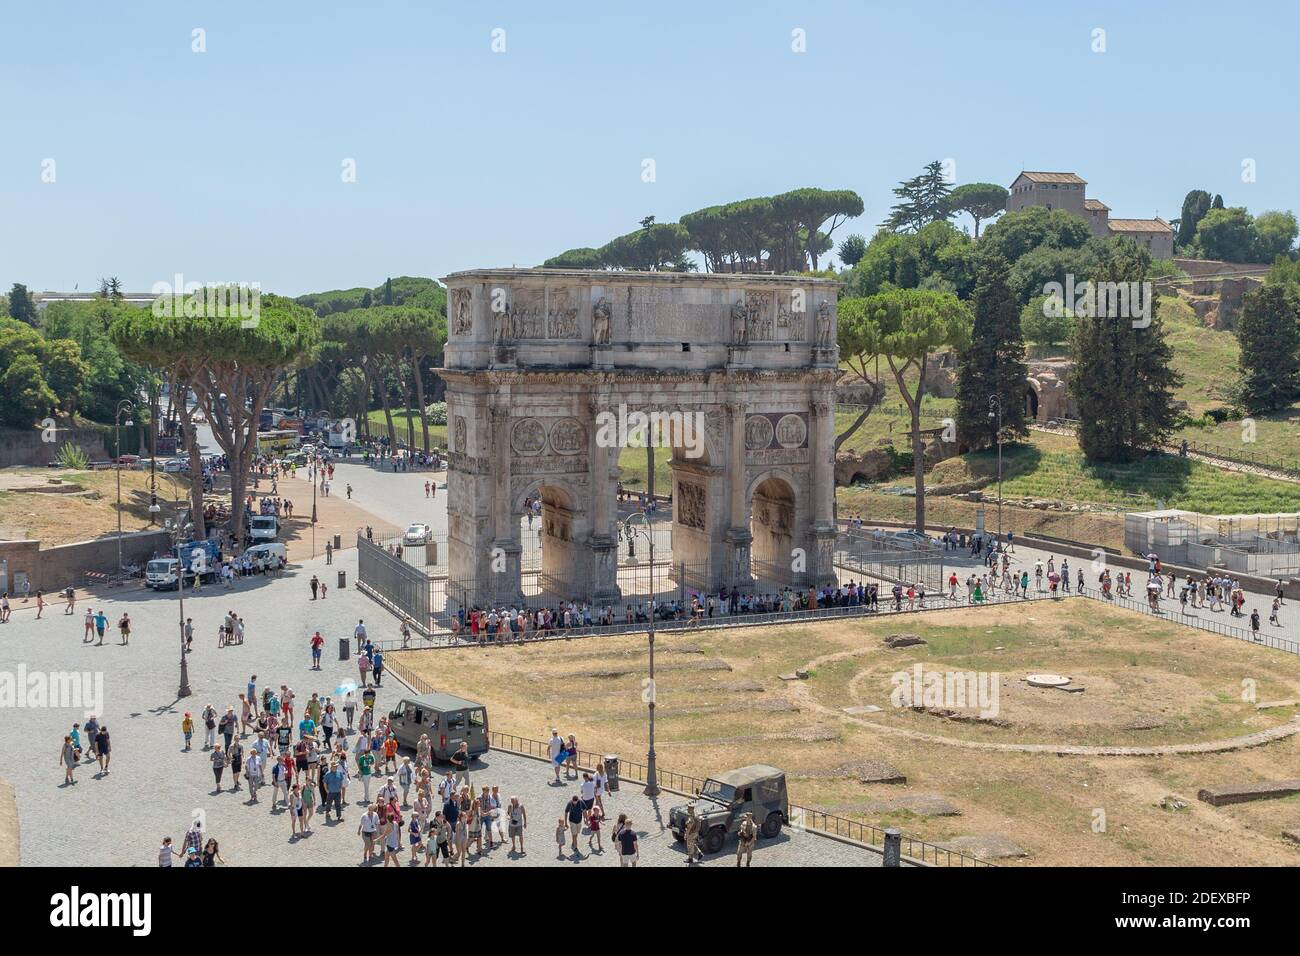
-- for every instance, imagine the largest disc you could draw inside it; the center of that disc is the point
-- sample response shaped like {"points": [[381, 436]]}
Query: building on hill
{"points": [[1155, 235], [1069, 192]]}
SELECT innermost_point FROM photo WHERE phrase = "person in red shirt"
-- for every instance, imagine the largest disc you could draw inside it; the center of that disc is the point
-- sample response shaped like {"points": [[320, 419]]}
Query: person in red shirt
{"points": [[317, 643]]}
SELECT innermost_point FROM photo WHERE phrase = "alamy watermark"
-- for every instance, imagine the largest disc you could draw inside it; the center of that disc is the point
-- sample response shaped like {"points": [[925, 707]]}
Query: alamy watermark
{"points": [[52, 689], [655, 429], [957, 690], [212, 300], [1106, 300]]}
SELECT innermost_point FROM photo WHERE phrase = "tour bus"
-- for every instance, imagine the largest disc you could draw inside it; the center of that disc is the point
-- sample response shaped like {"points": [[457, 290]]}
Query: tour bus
{"points": [[277, 442], [448, 720]]}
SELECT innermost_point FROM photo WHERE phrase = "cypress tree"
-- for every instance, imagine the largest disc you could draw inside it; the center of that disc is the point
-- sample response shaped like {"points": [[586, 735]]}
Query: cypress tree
{"points": [[1123, 378], [994, 362], [1268, 330]]}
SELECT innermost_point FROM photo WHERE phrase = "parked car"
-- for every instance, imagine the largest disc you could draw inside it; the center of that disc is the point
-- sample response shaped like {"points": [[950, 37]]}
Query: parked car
{"points": [[176, 465], [417, 534], [447, 719], [723, 801], [909, 540]]}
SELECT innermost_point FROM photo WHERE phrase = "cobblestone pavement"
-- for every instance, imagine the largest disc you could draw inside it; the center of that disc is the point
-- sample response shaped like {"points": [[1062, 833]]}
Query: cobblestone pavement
{"points": [[154, 787]]}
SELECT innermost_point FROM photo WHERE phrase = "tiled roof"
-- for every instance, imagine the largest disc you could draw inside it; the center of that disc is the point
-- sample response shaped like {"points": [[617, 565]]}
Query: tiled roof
{"points": [[1139, 225], [1095, 204], [1052, 177]]}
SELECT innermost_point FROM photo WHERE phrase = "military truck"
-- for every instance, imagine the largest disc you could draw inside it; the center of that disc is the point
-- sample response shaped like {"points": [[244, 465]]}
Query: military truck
{"points": [[448, 720], [724, 800]]}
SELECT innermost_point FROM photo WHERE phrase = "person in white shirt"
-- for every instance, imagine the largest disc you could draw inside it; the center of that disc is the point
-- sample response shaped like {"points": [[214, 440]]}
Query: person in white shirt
{"points": [[359, 632], [556, 746], [587, 793], [368, 827]]}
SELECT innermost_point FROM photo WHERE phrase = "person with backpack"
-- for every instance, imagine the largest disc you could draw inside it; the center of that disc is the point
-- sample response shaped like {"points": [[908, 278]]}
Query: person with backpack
{"points": [[209, 716]]}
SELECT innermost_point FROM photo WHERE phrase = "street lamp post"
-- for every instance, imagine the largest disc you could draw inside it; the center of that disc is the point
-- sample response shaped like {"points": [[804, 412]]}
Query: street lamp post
{"points": [[117, 451], [995, 410], [177, 532], [651, 776]]}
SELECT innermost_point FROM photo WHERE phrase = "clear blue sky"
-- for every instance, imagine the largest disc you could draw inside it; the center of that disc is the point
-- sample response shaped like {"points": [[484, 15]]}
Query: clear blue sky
{"points": [[225, 165]]}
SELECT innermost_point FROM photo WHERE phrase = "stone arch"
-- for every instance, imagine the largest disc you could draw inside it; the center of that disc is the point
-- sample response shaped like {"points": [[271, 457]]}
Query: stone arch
{"points": [[774, 523], [1032, 390], [563, 532]]}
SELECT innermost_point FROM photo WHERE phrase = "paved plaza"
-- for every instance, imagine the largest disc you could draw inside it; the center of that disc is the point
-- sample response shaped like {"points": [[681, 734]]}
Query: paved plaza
{"points": [[154, 788]]}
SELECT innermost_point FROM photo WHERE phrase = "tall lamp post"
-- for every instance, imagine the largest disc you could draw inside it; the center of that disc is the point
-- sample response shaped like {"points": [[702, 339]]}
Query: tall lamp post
{"points": [[995, 411], [177, 533], [651, 776], [117, 451]]}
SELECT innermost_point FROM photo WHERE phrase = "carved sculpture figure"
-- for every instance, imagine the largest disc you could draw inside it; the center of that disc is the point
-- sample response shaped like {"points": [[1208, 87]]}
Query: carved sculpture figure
{"points": [[740, 323], [461, 310], [824, 325], [600, 321]]}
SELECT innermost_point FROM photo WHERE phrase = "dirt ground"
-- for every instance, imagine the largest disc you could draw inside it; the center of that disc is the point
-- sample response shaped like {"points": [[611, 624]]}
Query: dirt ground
{"points": [[721, 703], [82, 505]]}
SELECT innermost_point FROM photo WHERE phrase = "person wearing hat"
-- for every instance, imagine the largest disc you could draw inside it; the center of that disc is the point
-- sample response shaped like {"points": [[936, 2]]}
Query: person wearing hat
{"points": [[746, 837], [557, 753]]}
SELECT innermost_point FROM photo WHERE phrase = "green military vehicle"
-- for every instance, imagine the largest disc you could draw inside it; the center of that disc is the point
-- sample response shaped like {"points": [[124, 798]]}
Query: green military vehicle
{"points": [[724, 800]]}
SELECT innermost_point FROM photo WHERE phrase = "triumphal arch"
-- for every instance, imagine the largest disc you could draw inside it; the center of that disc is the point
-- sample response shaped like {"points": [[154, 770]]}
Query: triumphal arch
{"points": [[548, 374]]}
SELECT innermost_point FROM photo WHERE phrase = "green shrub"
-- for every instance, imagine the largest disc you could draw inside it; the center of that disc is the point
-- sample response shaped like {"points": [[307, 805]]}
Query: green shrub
{"points": [[73, 456]]}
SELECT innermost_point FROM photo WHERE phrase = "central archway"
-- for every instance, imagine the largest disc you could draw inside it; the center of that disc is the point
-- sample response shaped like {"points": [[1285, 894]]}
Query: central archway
{"points": [[774, 517], [552, 528]]}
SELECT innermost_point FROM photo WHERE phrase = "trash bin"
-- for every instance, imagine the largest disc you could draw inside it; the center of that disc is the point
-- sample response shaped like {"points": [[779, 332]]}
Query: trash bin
{"points": [[338, 541], [343, 579], [431, 552], [611, 771], [344, 646]]}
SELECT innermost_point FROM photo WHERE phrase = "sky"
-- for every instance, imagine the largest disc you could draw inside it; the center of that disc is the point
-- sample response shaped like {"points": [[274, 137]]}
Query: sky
{"points": [[501, 133]]}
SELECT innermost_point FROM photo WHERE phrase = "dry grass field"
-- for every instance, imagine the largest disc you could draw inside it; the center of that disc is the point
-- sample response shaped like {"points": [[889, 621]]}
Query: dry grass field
{"points": [[722, 703]]}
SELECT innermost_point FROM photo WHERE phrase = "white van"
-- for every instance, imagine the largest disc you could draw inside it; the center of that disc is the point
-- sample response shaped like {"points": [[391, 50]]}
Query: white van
{"points": [[264, 528], [267, 554]]}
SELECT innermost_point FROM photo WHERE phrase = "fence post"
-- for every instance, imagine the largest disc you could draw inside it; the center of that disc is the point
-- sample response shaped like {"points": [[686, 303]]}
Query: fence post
{"points": [[893, 846]]}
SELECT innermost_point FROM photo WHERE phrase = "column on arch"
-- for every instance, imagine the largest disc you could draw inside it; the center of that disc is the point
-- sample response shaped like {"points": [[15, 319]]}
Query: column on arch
{"points": [[738, 538]]}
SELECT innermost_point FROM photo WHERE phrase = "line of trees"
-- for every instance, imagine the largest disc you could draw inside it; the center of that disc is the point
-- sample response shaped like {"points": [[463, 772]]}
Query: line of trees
{"points": [[788, 232]]}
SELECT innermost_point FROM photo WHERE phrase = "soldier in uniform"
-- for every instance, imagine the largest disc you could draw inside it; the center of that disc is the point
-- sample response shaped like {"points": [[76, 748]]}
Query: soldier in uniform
{"points": [[746, 837], [692, 835]]}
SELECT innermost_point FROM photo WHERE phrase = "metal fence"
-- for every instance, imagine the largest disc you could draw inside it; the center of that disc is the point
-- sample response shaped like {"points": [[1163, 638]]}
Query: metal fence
{"points": [[403, 587], [801, 817], [884, 560], [1172, 610]]}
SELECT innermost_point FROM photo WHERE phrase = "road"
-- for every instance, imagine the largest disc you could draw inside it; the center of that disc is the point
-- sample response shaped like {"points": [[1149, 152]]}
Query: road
{"points": [[155, 787]]}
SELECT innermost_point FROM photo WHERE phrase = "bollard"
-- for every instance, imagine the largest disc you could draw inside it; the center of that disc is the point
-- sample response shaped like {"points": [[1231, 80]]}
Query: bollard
{"points": [[611, 771], [893, 846]]}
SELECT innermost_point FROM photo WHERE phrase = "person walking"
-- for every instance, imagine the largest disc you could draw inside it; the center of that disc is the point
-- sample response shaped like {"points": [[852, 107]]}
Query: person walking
{"points": [[746, 837], [209, 716], [68, 757], [573, 812], [517, 815], [103, 748], [218, 759], [628, 845], [89, 634], [315, 586]]}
